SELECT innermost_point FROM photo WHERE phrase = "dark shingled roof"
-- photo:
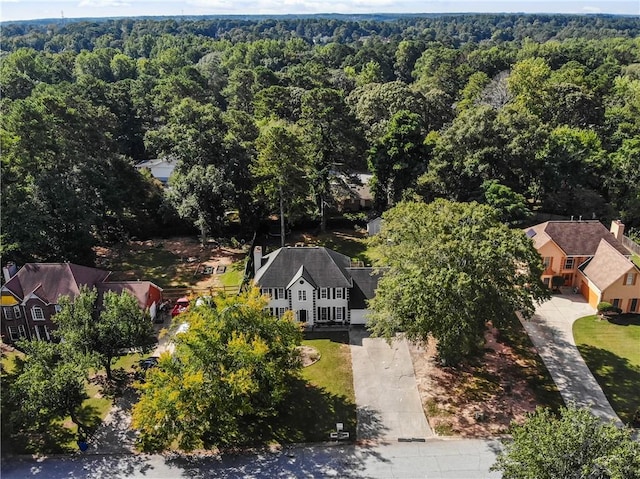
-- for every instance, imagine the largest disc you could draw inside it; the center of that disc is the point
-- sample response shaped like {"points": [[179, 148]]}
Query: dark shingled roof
{"points": [[49, 281], [365, 282], [581, 238], [327, 268]]}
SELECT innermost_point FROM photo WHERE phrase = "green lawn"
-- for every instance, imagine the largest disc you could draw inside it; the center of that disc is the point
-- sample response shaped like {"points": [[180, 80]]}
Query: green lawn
{"points": [[611, 349], [636, 259], [233, 275], [333, 371], [322, 397], [350, 244]]}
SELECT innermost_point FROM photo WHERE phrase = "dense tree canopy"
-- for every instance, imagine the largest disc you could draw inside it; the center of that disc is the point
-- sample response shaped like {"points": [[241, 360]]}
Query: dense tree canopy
{"points": [[229, 371], [544, 105], [574, 445], [452, 268]]}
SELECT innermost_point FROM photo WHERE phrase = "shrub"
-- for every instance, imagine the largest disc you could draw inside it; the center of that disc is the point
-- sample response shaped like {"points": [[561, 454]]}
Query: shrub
{"points": [[607, 308]]}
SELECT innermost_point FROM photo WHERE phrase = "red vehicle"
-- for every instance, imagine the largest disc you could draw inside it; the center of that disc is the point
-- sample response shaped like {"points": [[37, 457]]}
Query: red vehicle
{"points": [[182, 304]]}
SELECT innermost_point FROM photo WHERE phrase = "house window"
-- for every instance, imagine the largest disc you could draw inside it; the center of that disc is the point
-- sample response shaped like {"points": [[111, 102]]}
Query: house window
{"points": [[615, 302], [37, 314], [324, 314], [633, 305], [280, 293], [302, 295], [324, 293], [546, 261], [17, 332], [339, 293], [281, 312], [8, 313], [630, 279], [339, 316], [58, 308], [265, 291], [568, 263], [13, 333]]}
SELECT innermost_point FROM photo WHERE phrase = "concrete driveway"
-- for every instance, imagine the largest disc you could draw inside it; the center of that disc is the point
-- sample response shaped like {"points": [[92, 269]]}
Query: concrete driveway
{"points": [[551, 330], [387, 399]]}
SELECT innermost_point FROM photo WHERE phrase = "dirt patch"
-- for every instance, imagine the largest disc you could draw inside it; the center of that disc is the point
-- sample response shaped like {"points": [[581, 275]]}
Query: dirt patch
{"points": [[308, 355], [477, 400], [180, 261]]}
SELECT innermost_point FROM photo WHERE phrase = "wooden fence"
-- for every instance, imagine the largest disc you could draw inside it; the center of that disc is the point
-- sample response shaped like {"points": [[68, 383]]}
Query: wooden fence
{"points": [[631, 245]]}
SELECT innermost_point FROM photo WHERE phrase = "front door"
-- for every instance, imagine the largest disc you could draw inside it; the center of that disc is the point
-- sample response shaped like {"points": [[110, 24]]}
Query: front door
{"points": [[302, 315]]}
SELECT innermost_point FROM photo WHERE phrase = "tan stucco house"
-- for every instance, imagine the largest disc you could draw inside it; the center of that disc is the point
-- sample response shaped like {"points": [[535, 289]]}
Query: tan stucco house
{"points": [[591, 259]]}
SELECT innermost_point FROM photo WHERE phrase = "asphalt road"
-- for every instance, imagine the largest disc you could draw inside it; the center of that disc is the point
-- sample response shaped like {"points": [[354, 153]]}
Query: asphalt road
{"points": [[433, 459]]}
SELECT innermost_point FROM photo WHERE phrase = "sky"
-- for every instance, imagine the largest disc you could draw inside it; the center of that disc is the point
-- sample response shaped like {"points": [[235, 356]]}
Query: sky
{"points": [[35, 9]]}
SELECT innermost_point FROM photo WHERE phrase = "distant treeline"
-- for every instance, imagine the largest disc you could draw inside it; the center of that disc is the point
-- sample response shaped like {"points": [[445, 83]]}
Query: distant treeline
{"points": [[451, 29]]}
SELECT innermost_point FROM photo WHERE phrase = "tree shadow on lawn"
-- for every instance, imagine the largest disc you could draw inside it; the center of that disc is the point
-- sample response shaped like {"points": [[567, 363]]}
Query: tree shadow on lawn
{"points": [[52, 438], [309, 414], [625, 319], [619, 379]]}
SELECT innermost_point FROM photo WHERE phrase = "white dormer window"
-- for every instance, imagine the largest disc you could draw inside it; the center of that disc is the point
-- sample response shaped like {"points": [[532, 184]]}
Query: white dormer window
{"points": [[37, 314], [324, 293], [630, 279]]}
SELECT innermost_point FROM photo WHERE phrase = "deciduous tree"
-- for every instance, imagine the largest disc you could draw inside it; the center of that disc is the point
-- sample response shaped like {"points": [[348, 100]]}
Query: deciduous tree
{"points": [[229, 371], [574, 444], [281, 169], [452, 268], [120, 325], [51, 383]]}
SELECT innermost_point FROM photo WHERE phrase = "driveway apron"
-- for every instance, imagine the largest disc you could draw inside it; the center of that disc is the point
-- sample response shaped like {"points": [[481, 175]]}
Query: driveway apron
{"points": [[551, 330], [387, 399]]}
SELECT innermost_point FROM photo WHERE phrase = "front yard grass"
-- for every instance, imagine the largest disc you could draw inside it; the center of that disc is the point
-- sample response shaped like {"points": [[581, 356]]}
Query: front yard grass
{"points": [[611, 349], [322, 397], [636, 259]]}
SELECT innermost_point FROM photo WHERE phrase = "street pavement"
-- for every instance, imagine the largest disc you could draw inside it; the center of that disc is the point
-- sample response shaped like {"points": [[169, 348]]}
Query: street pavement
{"points": [[551, 330], [433, 459], [387, 398]]}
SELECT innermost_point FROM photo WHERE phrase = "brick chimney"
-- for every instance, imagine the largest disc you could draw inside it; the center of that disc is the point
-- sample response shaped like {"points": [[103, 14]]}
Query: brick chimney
{"points": [[257, 259], [617, 229]]}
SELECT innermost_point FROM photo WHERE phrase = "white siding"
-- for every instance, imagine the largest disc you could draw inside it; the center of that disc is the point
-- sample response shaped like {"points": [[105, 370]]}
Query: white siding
{"points": [[302, 296]]}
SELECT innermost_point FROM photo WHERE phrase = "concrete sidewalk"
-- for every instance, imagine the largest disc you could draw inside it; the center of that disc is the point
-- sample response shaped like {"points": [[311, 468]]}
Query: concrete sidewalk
{"points": [[551, 330], [387, 399]]}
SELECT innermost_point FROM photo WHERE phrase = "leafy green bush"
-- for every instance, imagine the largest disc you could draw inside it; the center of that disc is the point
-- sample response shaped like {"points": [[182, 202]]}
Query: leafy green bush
{"points": [[604, 308]]}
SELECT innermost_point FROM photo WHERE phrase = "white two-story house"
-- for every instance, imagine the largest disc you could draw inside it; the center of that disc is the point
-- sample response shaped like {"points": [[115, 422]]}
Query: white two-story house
{"points": [[318, 284]]}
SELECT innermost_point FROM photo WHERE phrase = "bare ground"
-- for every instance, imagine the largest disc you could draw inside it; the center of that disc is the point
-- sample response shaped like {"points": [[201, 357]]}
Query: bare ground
{"points": [[473, 401], [191, 259]]}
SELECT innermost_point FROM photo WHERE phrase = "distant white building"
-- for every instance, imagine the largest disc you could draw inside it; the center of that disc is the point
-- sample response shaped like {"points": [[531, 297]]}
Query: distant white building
{"points": [[320, 285], [161, 168]]}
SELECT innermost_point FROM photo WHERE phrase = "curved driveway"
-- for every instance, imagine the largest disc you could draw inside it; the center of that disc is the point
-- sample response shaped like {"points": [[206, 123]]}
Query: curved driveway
{"points": [[551, 330]]}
